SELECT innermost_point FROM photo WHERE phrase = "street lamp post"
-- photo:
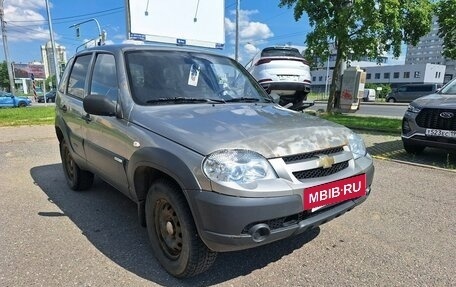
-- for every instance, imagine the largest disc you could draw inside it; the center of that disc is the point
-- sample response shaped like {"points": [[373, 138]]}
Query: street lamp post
{"points": [[51, 33]]}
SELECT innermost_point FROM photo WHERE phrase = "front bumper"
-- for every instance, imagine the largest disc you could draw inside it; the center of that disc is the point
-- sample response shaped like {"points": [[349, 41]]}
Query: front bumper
{"points": [[412, 134], [228, 223]]}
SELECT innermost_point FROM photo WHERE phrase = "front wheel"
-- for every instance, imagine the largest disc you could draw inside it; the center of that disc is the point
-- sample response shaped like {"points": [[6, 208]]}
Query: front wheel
{"points": [[77, 179], [172, 232], [391, 100]]}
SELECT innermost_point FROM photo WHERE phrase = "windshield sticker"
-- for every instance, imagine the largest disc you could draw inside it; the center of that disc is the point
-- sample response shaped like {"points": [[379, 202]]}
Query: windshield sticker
{"points": [[193, 75]]}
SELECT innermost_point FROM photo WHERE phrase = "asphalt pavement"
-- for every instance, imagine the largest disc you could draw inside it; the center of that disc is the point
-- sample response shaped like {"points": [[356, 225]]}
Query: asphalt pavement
{"points": [[403, 235]]}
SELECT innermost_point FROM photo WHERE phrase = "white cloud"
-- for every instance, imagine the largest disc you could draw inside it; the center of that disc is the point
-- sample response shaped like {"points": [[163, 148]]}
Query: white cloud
{"points": [[24, 20], [251, 33]]}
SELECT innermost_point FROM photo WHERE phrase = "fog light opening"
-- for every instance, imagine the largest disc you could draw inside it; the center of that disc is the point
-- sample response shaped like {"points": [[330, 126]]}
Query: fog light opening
{"points": [[260, 232]]}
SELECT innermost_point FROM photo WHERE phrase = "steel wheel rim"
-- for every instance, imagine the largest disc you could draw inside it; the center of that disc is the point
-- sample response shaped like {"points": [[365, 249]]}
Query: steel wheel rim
{"points": [[168, 229]]}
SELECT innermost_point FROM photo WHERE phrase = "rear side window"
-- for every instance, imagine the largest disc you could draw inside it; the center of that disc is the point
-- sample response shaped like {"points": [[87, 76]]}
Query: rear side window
{"points": [[78, 76], [275, 52], [104, 78]]}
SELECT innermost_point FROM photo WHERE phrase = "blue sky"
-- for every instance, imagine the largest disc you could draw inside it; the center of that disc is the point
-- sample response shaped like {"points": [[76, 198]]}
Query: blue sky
{"points": [[262, 23]]}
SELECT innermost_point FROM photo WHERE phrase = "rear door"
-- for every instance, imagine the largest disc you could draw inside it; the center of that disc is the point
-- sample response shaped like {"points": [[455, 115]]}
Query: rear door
{"points": [[70, 105]]}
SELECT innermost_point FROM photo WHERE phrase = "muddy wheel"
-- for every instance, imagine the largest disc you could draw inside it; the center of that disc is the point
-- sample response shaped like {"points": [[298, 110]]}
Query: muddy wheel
{"points": [[172, 232], [77, 179]]}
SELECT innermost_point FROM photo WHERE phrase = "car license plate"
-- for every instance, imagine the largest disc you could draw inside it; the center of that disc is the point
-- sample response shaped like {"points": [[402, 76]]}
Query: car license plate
{"points": [[440, 133], [288, 78], [337, 191]]}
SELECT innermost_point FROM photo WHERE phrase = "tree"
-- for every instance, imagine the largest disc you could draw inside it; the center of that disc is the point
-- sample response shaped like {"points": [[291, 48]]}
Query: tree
{"points": [[445, 10], [360, 28], [4, 79], [49, 80]]}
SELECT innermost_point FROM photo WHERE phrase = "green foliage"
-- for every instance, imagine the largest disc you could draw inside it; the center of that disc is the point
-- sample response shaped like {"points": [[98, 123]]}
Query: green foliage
{"points": [[381, 93], [361, 28], [51, 79], [4, 79], [445, 11]]}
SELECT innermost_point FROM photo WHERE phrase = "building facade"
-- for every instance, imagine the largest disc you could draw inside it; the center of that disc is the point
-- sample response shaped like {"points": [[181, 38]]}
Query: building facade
{"points": [[429, 50], [47, 56], [394, 75]]}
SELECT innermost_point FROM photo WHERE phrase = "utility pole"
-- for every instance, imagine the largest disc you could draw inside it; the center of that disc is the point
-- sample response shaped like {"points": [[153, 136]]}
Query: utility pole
{"points": [[236, 49], [5, 47], [51, 33]]}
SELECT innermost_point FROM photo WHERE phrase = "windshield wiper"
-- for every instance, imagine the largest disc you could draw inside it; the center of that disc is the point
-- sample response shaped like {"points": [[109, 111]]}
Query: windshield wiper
{"points": [[183, 100], [242, 99]]}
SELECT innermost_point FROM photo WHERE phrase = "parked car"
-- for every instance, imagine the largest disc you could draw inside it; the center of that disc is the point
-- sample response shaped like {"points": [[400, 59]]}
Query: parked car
{"points": [[211, 162], [50, 97], [284, 71], [430, 121], [369, 95], [10, 100], [408, 93]]}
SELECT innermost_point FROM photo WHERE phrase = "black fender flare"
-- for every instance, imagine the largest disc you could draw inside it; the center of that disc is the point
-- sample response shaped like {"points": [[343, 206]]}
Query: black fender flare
{"points": [[164, 162]]}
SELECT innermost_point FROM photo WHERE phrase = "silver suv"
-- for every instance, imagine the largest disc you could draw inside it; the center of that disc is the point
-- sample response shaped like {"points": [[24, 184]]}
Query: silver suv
{"points": [[211, 162], [430, 121], [283, 71]]}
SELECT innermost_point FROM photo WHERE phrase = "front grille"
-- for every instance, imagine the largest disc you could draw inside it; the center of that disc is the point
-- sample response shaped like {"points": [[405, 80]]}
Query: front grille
{"points": [[320, 172], [431, 119], [303, 156]]}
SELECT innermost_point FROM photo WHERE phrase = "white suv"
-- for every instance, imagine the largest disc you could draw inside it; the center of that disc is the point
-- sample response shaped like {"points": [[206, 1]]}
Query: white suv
{"points": [[284, 71]]}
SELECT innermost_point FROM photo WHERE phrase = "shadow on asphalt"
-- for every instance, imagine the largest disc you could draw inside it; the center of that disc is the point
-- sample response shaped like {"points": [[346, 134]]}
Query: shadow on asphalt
{"points": [[109, 221], [391, 148]]}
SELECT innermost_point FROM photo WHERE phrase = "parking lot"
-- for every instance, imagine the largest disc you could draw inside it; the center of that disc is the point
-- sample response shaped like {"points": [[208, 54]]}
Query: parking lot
{"points": [[403, 235]]}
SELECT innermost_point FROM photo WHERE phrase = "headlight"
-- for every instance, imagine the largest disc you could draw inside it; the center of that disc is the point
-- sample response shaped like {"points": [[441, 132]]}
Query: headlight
{"points": [[240, 166], [357, 146], [413, 109]]}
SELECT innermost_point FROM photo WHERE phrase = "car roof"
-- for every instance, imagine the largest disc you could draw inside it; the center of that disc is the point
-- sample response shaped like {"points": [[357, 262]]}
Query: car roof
{"points": [[115, 48]]}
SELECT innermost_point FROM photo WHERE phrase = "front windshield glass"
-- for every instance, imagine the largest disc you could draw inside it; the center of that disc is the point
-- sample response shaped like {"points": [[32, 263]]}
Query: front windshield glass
{"points": [[449, 88], [178, 77]]}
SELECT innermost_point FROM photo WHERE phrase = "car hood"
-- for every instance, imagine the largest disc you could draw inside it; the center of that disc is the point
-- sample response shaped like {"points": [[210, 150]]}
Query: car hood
{"points": [[440, 101], [268, 129]]}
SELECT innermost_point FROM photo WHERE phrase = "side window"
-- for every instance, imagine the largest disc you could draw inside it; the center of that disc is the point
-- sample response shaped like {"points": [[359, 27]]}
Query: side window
{"points": [[64, 80], [104, 78], [78, 76]]}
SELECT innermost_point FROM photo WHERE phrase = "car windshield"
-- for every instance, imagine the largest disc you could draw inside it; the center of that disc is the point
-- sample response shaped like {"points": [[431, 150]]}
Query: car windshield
{"points": [[278, 52], [449, 88], [178, 77]]}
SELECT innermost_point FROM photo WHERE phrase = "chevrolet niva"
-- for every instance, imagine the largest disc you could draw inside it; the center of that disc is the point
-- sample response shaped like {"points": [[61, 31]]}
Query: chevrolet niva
{"points": [[213, 164]]}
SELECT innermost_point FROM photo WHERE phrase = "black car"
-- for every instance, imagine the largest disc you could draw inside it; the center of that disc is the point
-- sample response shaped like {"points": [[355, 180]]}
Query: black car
{"points": [[50, 97]]}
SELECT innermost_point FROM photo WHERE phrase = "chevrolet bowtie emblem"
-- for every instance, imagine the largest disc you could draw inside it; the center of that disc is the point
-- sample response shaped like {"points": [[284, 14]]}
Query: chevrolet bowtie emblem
{"points": [[325, 161]]}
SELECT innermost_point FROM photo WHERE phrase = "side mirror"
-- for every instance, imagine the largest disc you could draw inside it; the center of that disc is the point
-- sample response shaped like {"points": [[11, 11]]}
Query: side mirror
{"points": [[99, 105]]}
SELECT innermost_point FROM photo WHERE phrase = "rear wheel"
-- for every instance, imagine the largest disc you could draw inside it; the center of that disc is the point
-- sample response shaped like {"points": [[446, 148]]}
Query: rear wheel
{"points": [[172, 232], [77, 179], [412, 148]]}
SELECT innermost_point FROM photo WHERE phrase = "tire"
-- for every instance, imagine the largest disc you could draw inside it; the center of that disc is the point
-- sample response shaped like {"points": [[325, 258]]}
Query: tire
{"points": [[413, 149], [172, 232], [21, 104], [77, 179], [391, 100]]}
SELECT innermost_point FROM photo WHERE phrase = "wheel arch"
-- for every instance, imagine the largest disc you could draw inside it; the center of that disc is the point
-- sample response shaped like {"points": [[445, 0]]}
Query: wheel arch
{"points": [[150, 164]]}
